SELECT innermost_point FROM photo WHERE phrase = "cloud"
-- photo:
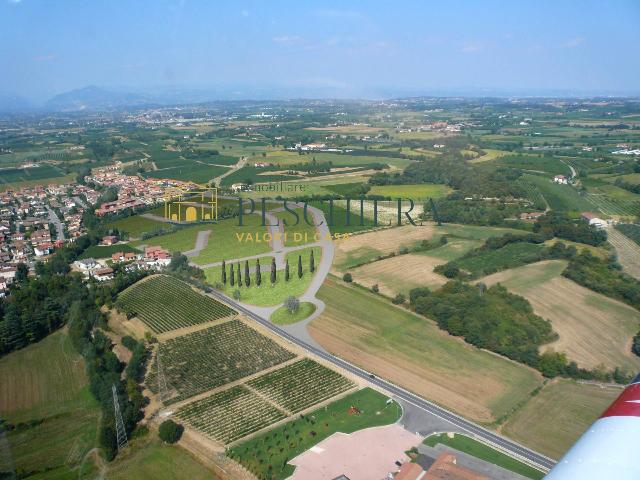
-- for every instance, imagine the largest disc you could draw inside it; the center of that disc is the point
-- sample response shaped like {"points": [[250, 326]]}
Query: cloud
{"points": [[287, 39], [574, 42]]}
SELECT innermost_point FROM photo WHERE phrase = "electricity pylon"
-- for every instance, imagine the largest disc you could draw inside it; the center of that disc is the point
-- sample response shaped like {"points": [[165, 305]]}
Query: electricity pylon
{"points": [[121, 433]]}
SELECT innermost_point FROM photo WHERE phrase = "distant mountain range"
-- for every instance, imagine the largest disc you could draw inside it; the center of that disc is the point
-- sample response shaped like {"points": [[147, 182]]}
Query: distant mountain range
{"points": [[94, 98]]}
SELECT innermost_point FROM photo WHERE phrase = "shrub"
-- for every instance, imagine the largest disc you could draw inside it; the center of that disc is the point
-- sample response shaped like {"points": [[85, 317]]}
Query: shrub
{"points": [[375, 288], [347, 278], [399, 299], [170, 431], [450, 270]]}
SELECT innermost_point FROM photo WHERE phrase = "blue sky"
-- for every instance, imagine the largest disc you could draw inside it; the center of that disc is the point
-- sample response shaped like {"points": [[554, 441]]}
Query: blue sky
{"points": [[357, 48]]}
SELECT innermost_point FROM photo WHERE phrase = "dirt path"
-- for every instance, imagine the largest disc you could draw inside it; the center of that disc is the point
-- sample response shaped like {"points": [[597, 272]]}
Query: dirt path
{"points": [[241, 163], [202, 240]]}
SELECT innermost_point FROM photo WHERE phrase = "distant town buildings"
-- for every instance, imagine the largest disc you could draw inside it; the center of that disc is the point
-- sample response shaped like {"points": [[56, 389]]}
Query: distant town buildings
{"points": [[561, 179]]}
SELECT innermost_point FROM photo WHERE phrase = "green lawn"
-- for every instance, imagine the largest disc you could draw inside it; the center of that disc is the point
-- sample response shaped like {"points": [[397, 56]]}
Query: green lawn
{"points": [[182, 240], [282, 316], [414, 192], [302, 232], [228, 240], [104, 251], [136, 225], [44, 386], [268, 294], [158, 461], [267, 455], [484, 452]]}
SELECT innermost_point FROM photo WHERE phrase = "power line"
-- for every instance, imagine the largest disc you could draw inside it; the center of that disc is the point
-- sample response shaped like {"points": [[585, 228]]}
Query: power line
{"points": [[121, 433]]}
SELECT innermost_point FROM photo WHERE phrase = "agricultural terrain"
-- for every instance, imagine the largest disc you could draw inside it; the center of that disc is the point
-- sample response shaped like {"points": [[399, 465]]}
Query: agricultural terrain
{"points": [[594, 330], [413, 352], [552, 420], [164, 303], [52, 415]]}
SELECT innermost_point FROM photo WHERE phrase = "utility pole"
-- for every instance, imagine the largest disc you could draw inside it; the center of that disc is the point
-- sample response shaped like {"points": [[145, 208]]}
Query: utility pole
{"points": [[121, 433]]}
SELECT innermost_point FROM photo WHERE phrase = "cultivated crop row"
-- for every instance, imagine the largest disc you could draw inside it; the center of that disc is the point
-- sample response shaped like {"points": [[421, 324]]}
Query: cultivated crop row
{"points": [[300, 385], [215, 356], [231, 414], [165, 303]]}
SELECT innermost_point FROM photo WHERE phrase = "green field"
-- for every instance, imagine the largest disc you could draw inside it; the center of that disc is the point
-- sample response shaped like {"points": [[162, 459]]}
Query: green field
{"points": [[559, 197], [228, 240], [414, 192], [282, 316], [11, 177], [136, 225], [552, 421], [195, 172], [302, 232], [511, 255], [105, 251], [182, 240], [266, 456], [413, 352], [150, 459], [479, 450], [44, 386], [268, 294]]}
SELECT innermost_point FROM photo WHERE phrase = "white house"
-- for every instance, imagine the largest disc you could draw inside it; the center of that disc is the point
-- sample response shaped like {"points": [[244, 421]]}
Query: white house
{"points": [[561, 179]]}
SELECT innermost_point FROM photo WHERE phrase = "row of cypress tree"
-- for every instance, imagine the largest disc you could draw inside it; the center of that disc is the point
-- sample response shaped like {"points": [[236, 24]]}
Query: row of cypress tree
{"points": [[235, 275]]}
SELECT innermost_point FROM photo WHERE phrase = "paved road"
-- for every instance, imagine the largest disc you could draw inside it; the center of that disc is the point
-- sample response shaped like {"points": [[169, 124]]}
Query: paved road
{"points": [[53, 218], [402, 394]]}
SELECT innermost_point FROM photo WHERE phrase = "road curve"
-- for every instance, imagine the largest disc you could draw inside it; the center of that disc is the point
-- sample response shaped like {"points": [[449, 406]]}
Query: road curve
{"points": [[516, 449]]}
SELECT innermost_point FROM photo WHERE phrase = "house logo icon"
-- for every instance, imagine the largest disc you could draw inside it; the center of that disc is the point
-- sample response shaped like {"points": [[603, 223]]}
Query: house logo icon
{"points": [[199, 205]]}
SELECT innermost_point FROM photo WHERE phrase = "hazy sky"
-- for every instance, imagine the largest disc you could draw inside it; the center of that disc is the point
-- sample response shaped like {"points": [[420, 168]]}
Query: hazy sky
{"points": [[48, 46]]}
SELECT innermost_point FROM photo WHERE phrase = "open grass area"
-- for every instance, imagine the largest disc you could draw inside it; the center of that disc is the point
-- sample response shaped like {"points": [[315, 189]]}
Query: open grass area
{"points": [[268, 294], [594, 329], [414, 192], [266, 456], [282, 316], [228, 240], [297, 234], [552, 420], [146, 459], [105, 251], [44, 386], [413, 352], [479, 450], [136, 225], [182, 240]]}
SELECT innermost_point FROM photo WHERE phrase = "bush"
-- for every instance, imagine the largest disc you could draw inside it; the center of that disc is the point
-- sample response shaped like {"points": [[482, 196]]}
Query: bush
{"points": [[170, 431], [450, 270], [347, 278], [375, 288], [399, 299]]}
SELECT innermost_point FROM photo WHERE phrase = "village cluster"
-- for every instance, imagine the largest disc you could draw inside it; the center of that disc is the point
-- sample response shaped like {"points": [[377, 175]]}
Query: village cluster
{"points": [[35, 221]]}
